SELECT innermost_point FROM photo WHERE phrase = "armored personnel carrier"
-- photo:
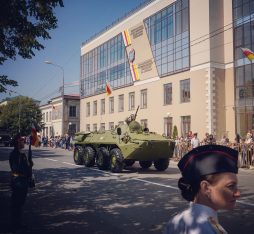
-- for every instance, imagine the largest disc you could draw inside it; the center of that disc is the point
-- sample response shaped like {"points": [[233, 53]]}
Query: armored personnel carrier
{"points": [[122, 146]]}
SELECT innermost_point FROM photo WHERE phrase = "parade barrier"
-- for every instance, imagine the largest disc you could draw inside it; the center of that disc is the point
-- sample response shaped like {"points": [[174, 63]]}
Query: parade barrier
{"points": [[246, 152]]}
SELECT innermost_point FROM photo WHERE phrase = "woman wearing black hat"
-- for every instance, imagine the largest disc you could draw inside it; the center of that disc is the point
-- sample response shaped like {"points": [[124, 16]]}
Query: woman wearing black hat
{"points": [[209, 182]]}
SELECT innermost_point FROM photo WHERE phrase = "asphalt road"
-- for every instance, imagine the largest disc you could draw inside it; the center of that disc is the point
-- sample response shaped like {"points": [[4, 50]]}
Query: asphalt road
{"points": [[74, 199]]}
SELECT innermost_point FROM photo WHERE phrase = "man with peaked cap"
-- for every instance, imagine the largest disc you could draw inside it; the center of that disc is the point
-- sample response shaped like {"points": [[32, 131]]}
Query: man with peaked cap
{"points": [[209, 183]]}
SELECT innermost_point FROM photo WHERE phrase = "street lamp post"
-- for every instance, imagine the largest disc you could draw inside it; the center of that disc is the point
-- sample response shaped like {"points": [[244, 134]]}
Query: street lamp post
{"points": [[54, 64]]}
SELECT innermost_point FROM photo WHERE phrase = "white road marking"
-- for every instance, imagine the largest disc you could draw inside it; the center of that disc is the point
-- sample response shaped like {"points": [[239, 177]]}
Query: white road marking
{"points": [[144, 181], [50, 159], [162, 185], [245, 203], [72, 164]]}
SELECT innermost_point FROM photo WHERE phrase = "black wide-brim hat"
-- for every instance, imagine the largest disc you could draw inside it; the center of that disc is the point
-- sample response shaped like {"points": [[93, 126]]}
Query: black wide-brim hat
{"points": [[208, 159]]}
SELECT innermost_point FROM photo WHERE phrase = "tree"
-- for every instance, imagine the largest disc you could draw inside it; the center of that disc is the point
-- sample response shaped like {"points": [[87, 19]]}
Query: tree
{"points": [[22, 24], [175, 132], [19, 114]]}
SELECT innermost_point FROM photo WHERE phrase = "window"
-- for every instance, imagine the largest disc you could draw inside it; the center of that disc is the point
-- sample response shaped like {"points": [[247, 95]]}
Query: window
{"points": [[102, 127], [88, 109], [94, 127], [185, 125], [88, 127], [185, 90], [168, 94], [72, 129], [50, 116], [168, 126], [47, 117], [111, 105], [108, 61], [168, 34], [103, 106], [143, 99], [72, 111], [144, 123], [111, 126], [95, 108], [132, 101], [43, 117], [121, 103]]}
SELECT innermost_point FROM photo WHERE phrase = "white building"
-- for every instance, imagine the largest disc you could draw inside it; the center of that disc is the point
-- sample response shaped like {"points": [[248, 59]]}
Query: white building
{"points": [[56, 123]]}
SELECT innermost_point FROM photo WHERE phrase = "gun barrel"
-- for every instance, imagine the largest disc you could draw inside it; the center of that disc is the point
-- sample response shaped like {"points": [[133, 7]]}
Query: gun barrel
{"points": [[136, 112]]}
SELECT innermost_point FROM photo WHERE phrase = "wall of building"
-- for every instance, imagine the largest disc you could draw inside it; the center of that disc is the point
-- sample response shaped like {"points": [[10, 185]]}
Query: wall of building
{"points": [[211, 74]]}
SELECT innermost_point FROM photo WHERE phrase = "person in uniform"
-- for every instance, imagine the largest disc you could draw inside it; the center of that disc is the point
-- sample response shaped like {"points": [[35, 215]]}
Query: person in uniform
{"points": [[20, 175], [209, 183]]}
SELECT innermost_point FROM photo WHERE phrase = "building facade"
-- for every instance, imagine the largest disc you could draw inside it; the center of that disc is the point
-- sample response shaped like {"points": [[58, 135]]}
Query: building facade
{"points": [[57, 123], [179, 61]]}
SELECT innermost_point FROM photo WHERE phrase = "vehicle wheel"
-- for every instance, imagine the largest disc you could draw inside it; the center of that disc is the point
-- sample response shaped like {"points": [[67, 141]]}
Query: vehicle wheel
{"points": [[145, 164], [129, 162], [89, 156], [78, 155], [161, 164], [116, 160], [103, 158]]}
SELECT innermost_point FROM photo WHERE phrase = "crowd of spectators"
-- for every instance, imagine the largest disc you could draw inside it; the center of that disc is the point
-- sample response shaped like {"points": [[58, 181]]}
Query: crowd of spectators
{"points": [[65, 142], [245, 146]]}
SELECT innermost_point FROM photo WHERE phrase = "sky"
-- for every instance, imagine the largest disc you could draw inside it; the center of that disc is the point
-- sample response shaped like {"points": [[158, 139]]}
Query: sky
{"points": [[78, 20]]}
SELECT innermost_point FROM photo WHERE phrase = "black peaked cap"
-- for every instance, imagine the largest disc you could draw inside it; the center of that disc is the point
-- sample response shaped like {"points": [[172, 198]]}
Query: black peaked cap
{"points": [[208, 159]]}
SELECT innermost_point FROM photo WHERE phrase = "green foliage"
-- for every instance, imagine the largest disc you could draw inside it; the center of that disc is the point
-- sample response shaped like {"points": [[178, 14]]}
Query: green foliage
{"points": [[22, 26], [175, 132], [4, 82], [19, 114]]}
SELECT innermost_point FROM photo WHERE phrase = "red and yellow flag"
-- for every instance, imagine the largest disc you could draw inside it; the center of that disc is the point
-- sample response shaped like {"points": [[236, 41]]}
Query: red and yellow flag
{"points": [[108, 88], [134, 72], [35, 139], [248, 53], [126, 37]]}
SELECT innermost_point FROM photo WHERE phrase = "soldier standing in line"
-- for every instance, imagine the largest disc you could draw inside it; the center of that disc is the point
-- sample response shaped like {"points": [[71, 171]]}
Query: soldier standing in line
{"points": [[20, 177]]}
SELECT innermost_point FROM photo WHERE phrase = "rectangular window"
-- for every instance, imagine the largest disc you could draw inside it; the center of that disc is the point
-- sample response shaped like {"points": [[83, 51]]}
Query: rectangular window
{"points": [[103, 106], [168, 126], [111, 125], [50, 116], [185, 125], [185, 90], [144, 123], [168, 94], [72, 129], [111, 105], [132, 101], [102, 127], [88, 109], [121, 103], [47, 117], [88, 128], [143, 95], [72, 111], [94, 127], [95, 108]]}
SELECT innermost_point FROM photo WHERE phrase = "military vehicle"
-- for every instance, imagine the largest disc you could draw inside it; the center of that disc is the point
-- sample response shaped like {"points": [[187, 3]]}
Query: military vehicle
{"points": [[122, 146]]}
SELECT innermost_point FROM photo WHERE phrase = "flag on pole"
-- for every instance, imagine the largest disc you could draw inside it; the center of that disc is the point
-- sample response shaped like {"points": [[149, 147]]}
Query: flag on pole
{"points": [[35, 139], [108, 88], [248, 53]]}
